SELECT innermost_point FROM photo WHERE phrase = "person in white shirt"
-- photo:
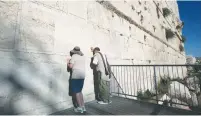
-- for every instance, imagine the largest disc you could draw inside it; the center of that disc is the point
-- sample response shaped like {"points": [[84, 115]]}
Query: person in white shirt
{"points": [[96, 81], [101, 76], [77, 64]]}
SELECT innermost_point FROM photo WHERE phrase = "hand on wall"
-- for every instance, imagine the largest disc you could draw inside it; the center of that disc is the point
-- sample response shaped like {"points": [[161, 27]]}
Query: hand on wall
{"points": [[68, 60], [92, 49]]}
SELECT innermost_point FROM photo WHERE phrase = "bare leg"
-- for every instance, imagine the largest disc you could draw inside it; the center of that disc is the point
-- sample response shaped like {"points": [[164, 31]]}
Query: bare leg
{"points": [[78, 99], [74, 101], [82, 99]]}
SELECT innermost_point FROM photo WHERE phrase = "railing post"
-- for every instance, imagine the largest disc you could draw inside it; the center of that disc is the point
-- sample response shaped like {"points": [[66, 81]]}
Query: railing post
{"points": [[155, 81], [200, 90], [118, 91]]}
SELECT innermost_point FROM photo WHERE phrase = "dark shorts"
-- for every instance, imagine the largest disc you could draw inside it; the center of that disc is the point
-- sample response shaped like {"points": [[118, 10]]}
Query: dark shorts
{"points": [[76, 85]]}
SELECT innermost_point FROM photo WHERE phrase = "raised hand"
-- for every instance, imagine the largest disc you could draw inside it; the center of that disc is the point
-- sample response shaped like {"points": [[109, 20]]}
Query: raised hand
{"points": [[68, 60], [92, 49]]}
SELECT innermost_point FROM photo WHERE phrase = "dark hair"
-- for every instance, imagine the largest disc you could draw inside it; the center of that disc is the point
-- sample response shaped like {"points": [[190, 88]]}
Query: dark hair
{"points": [[76, 48], [71, 53], [96, 49]]}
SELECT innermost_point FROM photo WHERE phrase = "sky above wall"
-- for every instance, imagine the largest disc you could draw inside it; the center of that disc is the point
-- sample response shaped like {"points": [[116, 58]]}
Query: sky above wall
{"points": [[190, 13]]}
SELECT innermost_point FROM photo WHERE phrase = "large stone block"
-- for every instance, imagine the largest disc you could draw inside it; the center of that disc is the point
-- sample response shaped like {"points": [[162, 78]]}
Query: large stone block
{"points": [[23, 98], [148, 53], [115, 42], [6, 91], [98, 15], [139, 35], [37, 27], [61, 5], [8, 20], [78, 8], [102, 39], [115, 23], [69, 33], [6, 66]]}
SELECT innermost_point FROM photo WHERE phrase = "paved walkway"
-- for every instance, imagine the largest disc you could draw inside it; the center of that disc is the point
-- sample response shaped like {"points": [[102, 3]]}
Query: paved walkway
{"points": [[121, 106]]}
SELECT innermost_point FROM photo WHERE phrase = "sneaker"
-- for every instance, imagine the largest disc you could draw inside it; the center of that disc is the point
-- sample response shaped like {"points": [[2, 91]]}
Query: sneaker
{"points": [[110, 102], [101, 102], [78, 109], [84, 109], [75, 110]]}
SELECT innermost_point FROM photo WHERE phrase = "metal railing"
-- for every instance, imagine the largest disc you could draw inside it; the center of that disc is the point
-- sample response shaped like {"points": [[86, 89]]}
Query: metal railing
{"points": [[171, 84]]}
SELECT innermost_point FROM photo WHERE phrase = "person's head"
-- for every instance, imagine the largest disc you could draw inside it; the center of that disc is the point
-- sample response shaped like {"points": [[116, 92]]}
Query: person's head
{"points": [[96, 49], [76, 50]]}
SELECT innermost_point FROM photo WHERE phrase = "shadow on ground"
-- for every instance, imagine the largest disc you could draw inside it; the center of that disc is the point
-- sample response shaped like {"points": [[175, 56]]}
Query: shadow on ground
{"points": [[122, 106]]}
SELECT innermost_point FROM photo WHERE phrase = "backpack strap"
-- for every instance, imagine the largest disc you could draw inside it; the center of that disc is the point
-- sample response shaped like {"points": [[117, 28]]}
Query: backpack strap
{"points": [[106, 71], [108, 67]]}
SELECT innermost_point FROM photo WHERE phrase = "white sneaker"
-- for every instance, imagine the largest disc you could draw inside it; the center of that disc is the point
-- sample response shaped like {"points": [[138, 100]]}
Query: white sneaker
{"points": [[101, 102], [84, 109], [75, 110], [78, 109], [110, 102]]}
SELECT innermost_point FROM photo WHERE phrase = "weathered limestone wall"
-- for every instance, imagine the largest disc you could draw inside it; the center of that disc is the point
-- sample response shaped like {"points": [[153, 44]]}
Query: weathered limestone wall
{"points": [[36, 37], [146, 46]]}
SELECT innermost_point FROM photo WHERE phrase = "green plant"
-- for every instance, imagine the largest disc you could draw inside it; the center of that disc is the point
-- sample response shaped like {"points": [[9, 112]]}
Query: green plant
{"points": [[154, 28], [145, 37], [182, 23], [165, 102], [166, 12], [145, 8], [181, 48], [145, 96], [141, 19], [196, 72], [169, 33], [163, 85], [140, 95], [129, 27], [133, 8], [139, 12], [179, 26], [197, 69], [139, 2], [183, 38]]}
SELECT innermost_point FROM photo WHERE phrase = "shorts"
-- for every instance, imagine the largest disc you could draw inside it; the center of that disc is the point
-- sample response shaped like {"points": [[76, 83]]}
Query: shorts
{"points": [[76, 85]]}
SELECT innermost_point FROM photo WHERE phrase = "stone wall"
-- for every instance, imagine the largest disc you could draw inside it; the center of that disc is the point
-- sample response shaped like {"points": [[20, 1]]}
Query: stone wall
{"points": [[36, 37]]}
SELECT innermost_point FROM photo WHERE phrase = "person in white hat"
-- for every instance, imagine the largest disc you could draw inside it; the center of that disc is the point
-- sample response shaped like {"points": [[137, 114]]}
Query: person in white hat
{"points": [[77, 64]]}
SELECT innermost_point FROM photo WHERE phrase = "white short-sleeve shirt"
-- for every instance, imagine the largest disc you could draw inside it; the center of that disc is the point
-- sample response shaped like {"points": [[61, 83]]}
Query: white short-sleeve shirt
{"points": [[78, 62]]}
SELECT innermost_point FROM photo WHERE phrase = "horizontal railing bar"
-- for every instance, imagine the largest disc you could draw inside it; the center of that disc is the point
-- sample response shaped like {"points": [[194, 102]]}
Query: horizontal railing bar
{"points": [[162, 65]]}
